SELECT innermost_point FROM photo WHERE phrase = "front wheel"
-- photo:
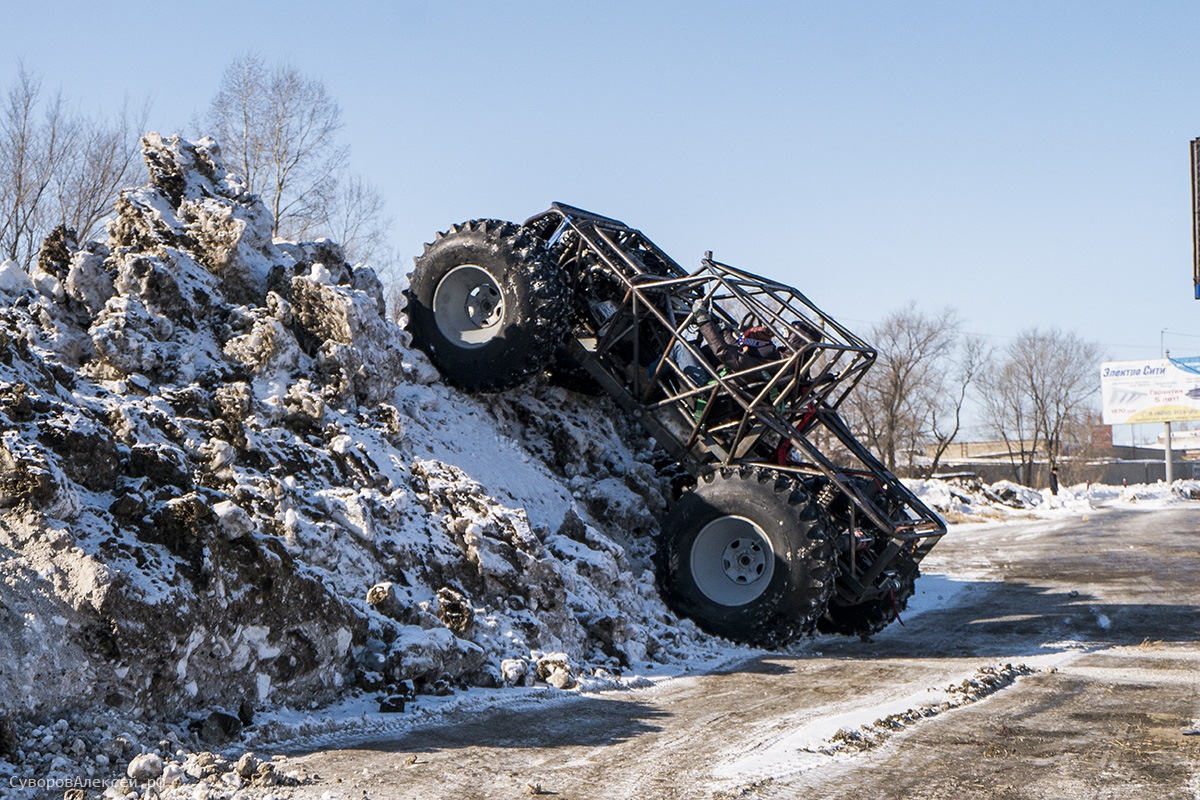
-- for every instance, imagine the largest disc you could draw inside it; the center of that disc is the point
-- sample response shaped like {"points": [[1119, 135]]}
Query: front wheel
{"points": [[746, 556], [487, 305]]}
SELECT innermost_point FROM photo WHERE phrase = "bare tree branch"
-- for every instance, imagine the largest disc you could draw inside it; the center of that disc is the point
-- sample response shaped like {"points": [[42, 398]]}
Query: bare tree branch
{"points": [[896, 402], [355, 216], [973, 359], [280, 130], [1038, 394], [58, 167], [31, 151], [104, 160]]}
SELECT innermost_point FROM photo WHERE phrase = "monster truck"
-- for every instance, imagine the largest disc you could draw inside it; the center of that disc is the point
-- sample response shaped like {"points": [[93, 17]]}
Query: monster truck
{"points": [[787, 522]]}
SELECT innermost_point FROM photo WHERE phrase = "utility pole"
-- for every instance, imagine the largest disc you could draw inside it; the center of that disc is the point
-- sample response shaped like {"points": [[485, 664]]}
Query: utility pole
{"points": [[1167, 448], [1196, 215], [1167, 456]]}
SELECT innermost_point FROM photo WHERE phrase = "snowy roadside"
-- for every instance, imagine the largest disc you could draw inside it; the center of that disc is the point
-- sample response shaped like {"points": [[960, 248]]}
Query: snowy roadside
{"points": [[964, 501]]}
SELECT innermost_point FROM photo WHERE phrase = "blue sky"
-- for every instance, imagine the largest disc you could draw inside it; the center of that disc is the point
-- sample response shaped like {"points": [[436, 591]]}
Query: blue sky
{"points": [[1025, 163]]}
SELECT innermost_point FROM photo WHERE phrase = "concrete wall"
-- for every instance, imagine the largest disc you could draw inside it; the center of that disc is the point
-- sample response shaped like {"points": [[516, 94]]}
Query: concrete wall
{"points": [[1114, 473]]}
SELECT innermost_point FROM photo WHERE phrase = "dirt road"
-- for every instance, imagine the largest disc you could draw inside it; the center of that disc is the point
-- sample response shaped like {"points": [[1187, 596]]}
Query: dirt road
{"points": [[1100, 611]]}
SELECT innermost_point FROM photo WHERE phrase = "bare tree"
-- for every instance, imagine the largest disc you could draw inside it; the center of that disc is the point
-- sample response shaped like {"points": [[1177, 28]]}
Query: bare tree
{"points": [[946, 417], [279, 129], [355, 217], [104, 158], [1038, 395], [1011, 417], [58, 167], [234, 118], [32, 148], [900, 399]]}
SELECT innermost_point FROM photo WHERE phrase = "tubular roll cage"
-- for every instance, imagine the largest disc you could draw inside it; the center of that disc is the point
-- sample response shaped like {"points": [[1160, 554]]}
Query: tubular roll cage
{"points": [[643, 349]]}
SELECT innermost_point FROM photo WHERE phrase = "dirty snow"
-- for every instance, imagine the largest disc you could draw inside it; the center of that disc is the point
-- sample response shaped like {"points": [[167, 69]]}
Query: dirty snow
{"points": [[238, 511]]}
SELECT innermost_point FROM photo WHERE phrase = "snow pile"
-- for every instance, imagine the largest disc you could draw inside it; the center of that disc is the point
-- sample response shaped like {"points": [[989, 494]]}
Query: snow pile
{"points": [[960, 500], [1155, 495], [226, 484]]}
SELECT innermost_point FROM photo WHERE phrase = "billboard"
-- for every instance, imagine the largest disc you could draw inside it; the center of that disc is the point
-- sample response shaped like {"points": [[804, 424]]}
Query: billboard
{"points": [[1153, 390]]}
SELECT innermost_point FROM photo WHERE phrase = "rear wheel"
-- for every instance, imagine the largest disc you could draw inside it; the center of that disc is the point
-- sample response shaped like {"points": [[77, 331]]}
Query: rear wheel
{"points": [[746, 556], [487, 305]]}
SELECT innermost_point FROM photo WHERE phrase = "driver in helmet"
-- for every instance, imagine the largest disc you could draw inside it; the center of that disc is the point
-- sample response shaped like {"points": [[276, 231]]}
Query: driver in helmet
{"points": [[752, 348]]}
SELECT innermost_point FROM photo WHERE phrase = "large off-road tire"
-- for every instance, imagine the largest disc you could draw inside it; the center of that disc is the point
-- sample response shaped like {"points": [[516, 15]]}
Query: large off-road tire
{"points": [[746, 555], [487, 305], [870, 617]]}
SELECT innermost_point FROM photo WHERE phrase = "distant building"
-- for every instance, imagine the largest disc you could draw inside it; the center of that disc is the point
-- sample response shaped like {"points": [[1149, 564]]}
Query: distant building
{"points": [[1100, 461]]}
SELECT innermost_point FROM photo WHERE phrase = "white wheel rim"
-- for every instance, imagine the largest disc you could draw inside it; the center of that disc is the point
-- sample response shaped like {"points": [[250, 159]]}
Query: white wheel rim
{"points": [[732, 561], [468, 306]]}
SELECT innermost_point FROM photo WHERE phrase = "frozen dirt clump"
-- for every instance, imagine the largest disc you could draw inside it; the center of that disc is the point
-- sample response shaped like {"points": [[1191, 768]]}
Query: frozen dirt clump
{"points": [[227, 484]]}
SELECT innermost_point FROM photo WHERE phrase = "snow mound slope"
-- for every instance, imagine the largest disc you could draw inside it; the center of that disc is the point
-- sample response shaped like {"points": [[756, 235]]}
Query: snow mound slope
{"points": [[227, 482]]}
